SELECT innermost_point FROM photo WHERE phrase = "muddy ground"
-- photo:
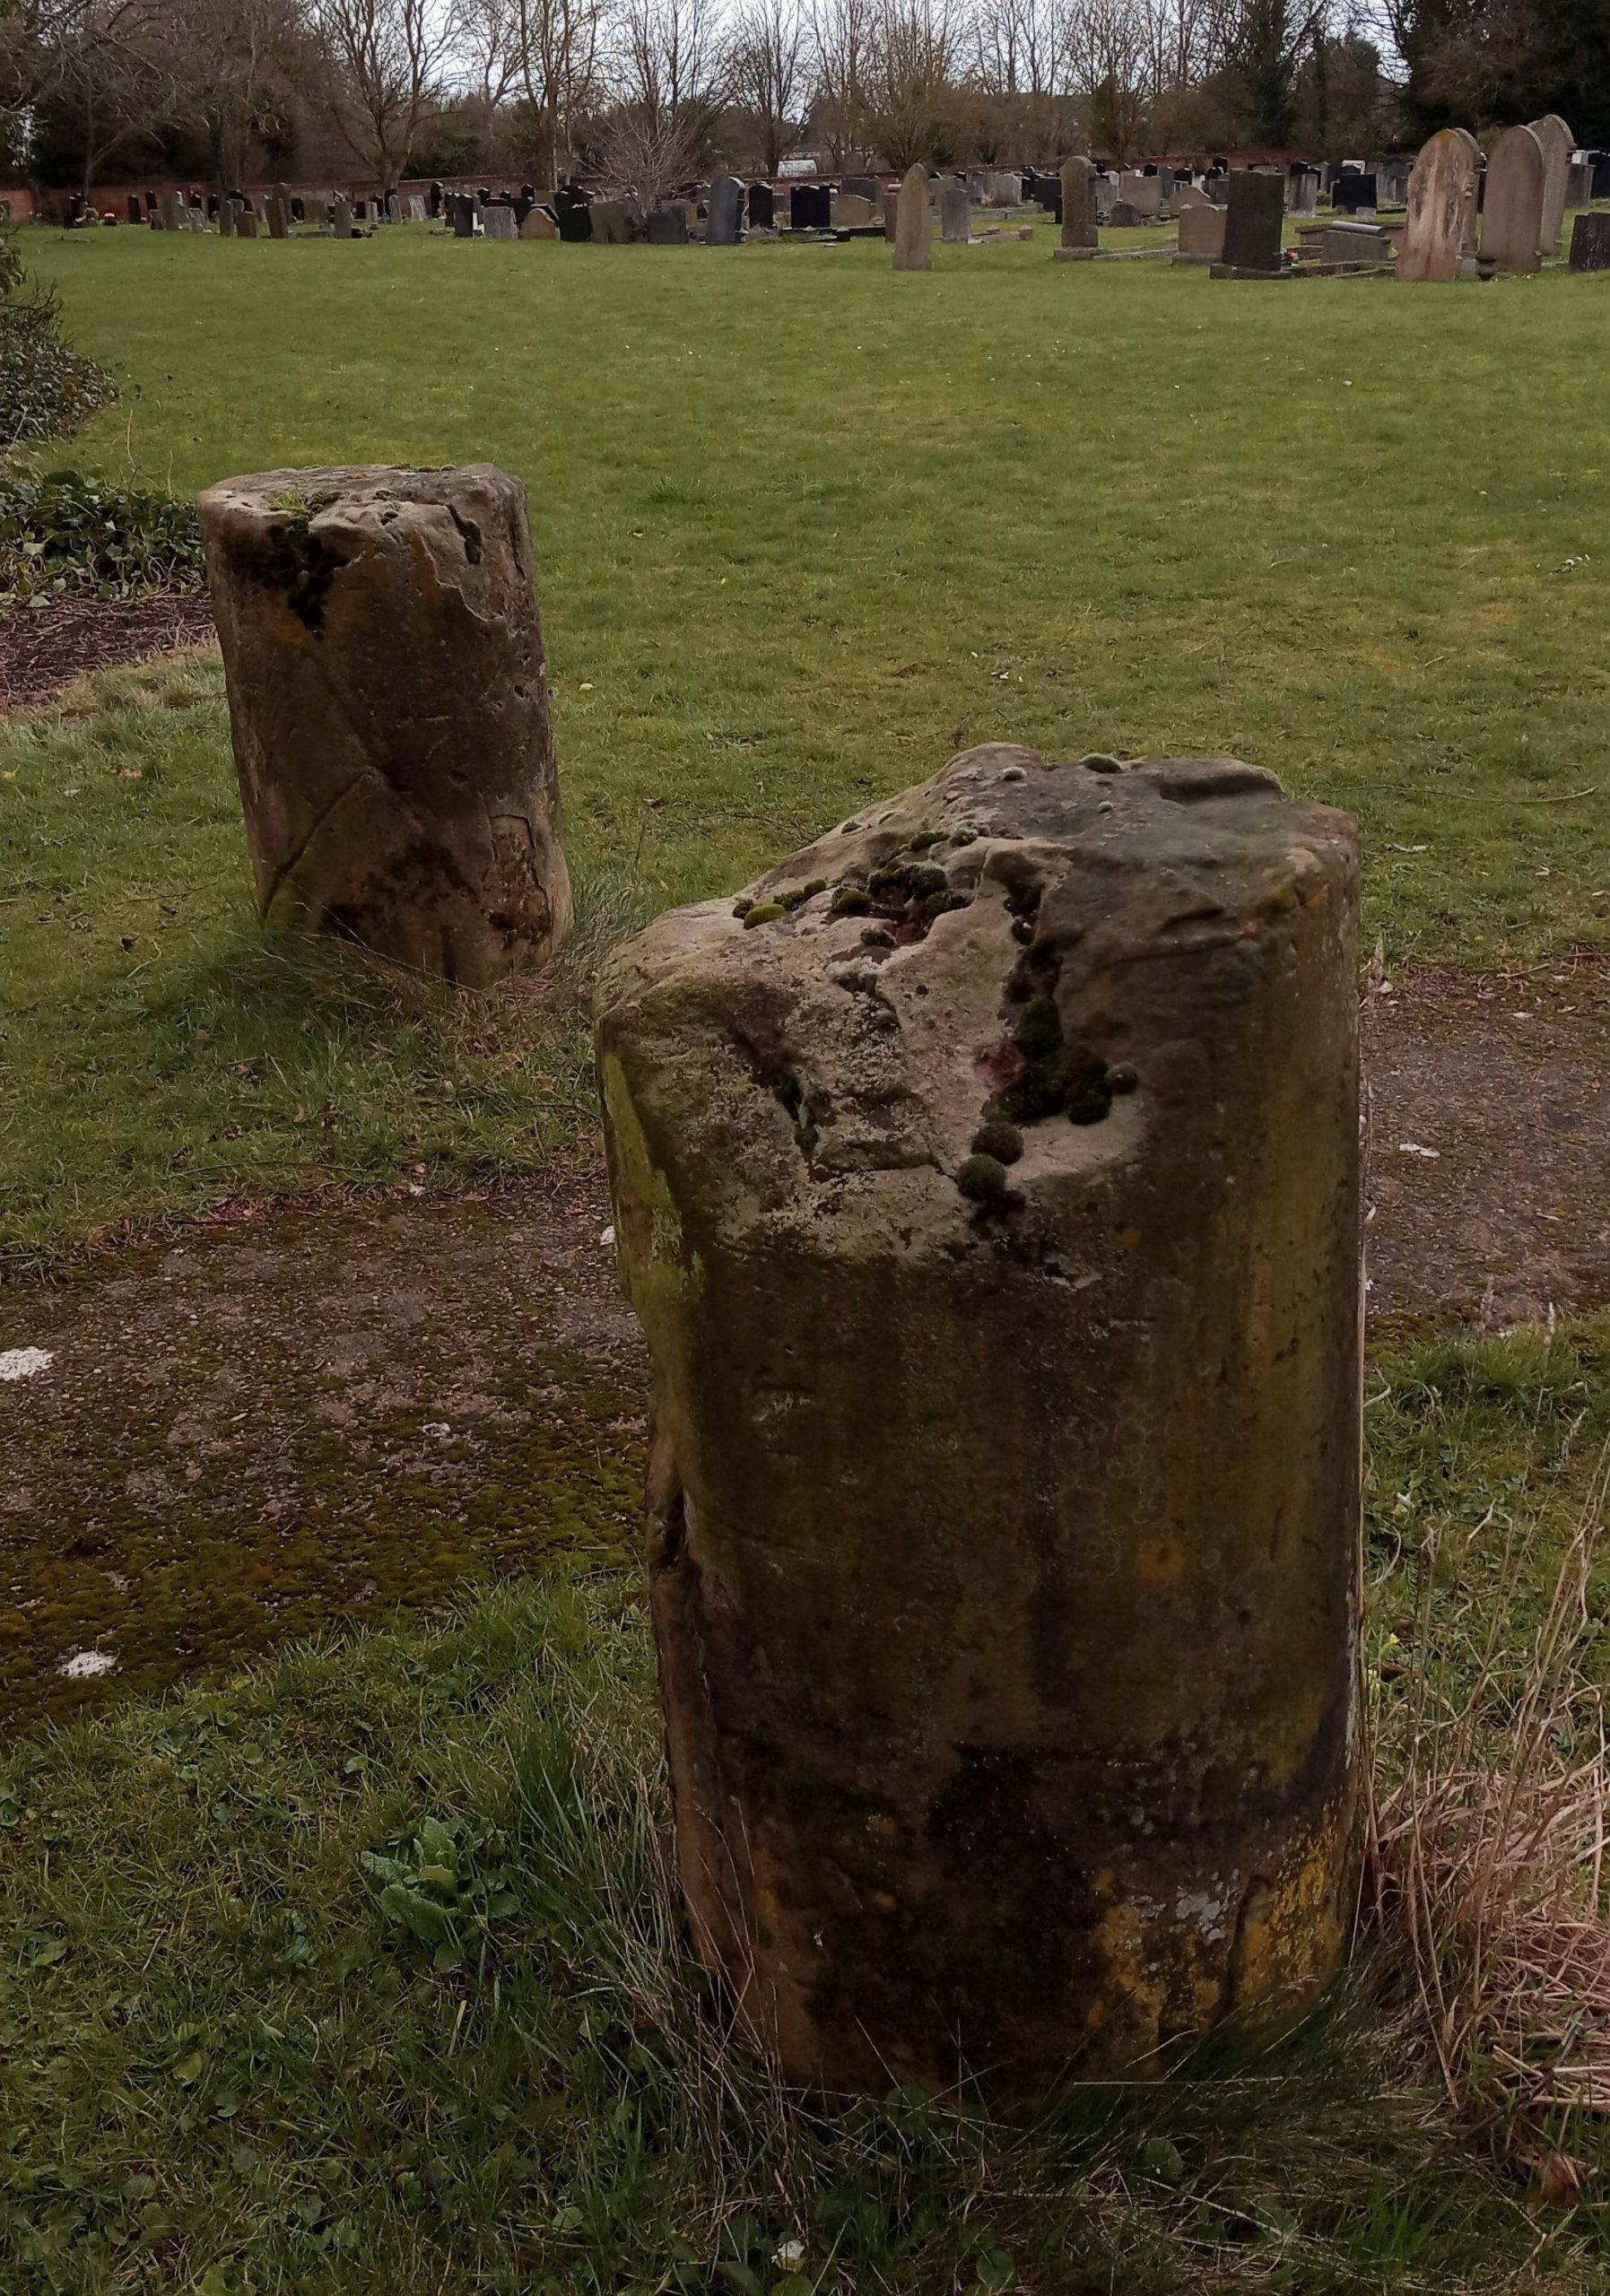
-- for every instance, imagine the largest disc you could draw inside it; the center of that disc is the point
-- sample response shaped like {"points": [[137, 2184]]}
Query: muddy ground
{"points": [[305, 1416], [44, 650]]}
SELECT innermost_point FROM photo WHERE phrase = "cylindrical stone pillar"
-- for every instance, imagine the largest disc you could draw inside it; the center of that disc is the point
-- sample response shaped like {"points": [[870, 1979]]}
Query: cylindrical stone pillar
{"points": [[383, 653], [986, 1184]]}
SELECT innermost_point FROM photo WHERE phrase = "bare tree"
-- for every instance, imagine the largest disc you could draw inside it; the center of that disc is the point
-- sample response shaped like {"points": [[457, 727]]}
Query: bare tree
{"points": [[840, 38], [387, 58], [911, 81], [544, 53], [233, 68], [766, 74], [669, 76]]}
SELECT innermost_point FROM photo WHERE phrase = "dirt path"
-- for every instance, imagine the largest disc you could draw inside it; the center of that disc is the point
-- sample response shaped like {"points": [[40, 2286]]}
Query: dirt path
{"points": [[261, 1428]]}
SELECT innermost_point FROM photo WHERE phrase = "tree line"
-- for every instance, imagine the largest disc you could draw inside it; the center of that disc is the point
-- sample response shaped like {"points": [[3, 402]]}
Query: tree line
{"points": [[649, 94]]}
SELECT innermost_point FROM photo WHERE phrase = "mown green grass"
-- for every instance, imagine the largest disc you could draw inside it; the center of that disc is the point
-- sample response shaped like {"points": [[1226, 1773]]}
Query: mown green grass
{"points": [[362, 1971], [802, 528]]}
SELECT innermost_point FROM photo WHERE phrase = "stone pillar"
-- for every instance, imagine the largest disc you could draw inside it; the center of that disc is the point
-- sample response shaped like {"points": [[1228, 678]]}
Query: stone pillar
{"points": [[986, 1181], [383, 654], [1557, 141], [1080, 238], [914, 223]]}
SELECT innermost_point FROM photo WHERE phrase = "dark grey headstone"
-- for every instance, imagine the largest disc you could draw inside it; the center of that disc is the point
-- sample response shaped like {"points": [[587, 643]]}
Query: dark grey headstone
{"points": [[726, 219], [762, 207], [572, 211], [1591, 243], [861, 186], [810, 207], [668, 227], [1352, 192], [461, 215], [497, 220], [1123, 217], [1256, 212]]}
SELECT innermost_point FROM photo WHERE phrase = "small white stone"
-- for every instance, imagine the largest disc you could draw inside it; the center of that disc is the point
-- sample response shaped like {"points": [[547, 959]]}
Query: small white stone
{"points": [[607, 1239], [1413, 1148], [22, 1362], [84, 1666]]}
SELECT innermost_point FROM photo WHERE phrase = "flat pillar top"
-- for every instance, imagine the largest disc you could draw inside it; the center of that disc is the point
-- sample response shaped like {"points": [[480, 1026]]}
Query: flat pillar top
{"points": [[304, 491]]}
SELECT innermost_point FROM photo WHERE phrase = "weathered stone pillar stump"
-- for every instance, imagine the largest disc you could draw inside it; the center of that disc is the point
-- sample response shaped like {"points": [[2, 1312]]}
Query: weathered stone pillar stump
{"points": [[383, 652], [986, 1184]]}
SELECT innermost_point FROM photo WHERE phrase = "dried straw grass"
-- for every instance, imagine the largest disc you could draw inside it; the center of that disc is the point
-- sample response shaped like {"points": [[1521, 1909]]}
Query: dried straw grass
{"points": [[1487, 1845]]}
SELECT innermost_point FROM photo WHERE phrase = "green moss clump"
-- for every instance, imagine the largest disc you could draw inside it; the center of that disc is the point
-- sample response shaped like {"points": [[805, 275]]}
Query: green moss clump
{"points": [[997, 1138], [924, 838], [764, 912], [817, 885], [795, 900], [1102, 761], [983, 1179], [851, 900]]}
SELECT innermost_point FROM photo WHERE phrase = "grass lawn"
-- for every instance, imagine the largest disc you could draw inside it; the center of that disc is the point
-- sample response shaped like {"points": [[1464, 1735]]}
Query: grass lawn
{"points": [[362, 1972], [803, 526]]}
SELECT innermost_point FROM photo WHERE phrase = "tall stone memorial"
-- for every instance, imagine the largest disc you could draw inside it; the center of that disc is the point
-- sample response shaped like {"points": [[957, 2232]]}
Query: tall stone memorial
{"points": [[914, 223], [1254, 215], [1558, 144], [1512, 203], [1080, 237], [987, 1182], [955, 214], [383, 654], [724, 225], [1441, 190]]}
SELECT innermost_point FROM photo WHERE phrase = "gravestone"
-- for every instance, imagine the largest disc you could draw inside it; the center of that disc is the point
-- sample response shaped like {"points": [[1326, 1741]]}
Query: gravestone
{"points": [[341, 217], [539, 225], [892, 214], [1123, 217], [612, 222], [382, 650], [276, 214], [1591, 243], [1080, 238], [1558, 143], [1512, 203], [762, 207], [1441, 190], [1347, 192], [1201, 234], [1578, 183], [136, 213], [461, 215], [1254, 214], [862, 187], [497, 220], [571, 212], [1015, 1730], [914, 226], [170, 209], [1143, 193], [1302, 191], [246, 223], [668, 227], [955, 216], [852, 212], [810, 207], [724, 225]]}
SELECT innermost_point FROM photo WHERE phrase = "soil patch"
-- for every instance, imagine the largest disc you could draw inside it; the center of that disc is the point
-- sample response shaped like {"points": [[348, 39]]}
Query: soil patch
{"points": [[257, 1429], [296, 1416], [1489, 1176], [44, 650]]}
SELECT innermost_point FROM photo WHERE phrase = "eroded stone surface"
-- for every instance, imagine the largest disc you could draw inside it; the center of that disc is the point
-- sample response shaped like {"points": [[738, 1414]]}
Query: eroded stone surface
{"points": [[985, 1179], [1512, 205], [390, 711], [1441, 190], [914, 223]]}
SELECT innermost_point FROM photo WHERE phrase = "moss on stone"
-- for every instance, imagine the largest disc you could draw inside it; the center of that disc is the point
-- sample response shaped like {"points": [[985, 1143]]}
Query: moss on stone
{"points": [[983, 1179], [764, 912], [997, 1138], [851, 900]]}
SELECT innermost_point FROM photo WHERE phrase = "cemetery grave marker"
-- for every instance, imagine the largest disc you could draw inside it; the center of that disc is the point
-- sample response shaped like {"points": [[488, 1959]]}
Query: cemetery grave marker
{"points": [[1254, 215], [1080, 237], [914, 223], [1441, 190], [1512, 205]]}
